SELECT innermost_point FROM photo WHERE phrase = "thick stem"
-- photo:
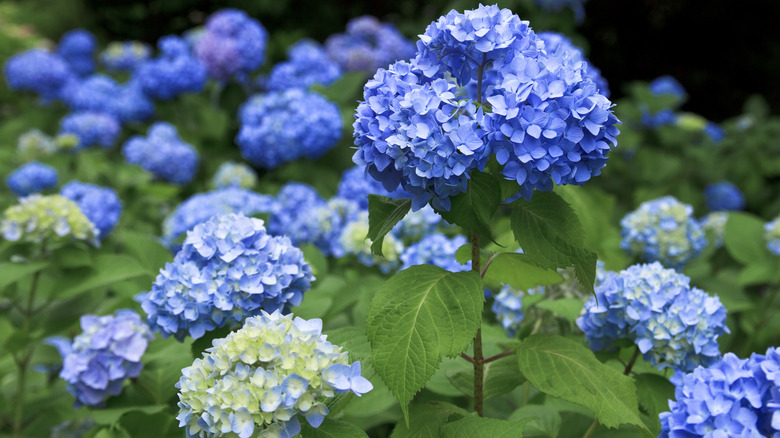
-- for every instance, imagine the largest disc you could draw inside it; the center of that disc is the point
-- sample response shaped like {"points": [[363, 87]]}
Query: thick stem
{"points": [[25, 361], [477, 360]]}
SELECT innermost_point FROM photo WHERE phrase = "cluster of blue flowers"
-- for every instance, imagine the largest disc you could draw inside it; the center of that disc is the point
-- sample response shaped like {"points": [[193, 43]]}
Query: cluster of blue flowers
{"points": [[673, 324], [508, 307], [32, 178], [125, 56], [228, 269], [664, 86], [482, 83], [39, 71], [356, 185], [174, 72], [99, 93], [100, 205], [723, 196], [772, 235], [163, 153], [308, 64], [77, 48], [368, 45], [663, 230], [231, 45], [435, 249], [282, 126], [201, 207], [107, 352], [731, 398], [230, 174], [91, 128], [261, 379], [554, 41]]}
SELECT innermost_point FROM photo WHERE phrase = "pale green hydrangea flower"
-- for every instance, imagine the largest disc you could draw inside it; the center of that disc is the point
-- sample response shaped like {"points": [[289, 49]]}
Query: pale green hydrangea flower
{"points": [[231, 174], [51, 218], [353, 241], [34, 144]]}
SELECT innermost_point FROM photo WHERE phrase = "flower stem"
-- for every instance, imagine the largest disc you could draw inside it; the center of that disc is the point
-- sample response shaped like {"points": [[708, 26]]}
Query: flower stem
{"points": [[25, 361], [477, 359]]}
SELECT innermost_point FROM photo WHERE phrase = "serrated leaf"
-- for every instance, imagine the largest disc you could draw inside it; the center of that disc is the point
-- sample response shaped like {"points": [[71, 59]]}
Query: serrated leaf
{"points": [[11, 272], [352, 340], [418, 316], [383, 214], [518, 271], [547, 421], [332, 429], [654, 393], [473, 209], [474, 427], [427, 420], [500, 377], [569, 308], [565, 369], [744, 239], [550, 234], [463, 254]]}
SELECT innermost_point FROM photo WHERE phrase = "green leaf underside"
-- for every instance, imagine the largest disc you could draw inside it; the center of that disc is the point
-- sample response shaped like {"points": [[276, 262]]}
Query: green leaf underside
{"points": [[418, 316], [427, 420], [472, 426], [520, 272], [473, 209], [383, 214], [565, 369], [549, 232]]}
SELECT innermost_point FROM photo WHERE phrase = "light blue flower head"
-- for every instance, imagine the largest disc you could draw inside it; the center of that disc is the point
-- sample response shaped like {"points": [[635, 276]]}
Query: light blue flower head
{"points": [[100, 205], [554, 42], [232, 174], [32, 178], [308, 64], [663, 230], [107, 352], [91, 128], [125, 55], [260, 380], [715, 224], [356, 185], [228, 269], [435, 249], [367, 45], [163, 153]]}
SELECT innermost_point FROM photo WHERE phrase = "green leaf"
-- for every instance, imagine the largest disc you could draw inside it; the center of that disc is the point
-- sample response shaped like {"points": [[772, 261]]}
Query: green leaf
{"points": [[72, 256], [463, 254], [111, 416], [520, 272], [568, 308], [352, 340], [11, 272], [112, 432], [473, 209], [500, 377], [547, 423], [332, 429], [744, 239], [654, 393], [315, 259], [106, 270], [565, 369], [472, 426], [418, 316], [550, 233], [383, 214], [146, 249], [427, 420]]}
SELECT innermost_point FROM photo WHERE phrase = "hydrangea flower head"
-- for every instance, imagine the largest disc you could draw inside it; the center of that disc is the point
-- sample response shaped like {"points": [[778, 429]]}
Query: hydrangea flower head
{"points": [[353, 241], [125, 55], [261, 379], [554, 41], [716, 223], [282, 126], [435, 249], [51, 218], [714, 132], [663, 230], [232, 44], [107, 352], [723, 196], [91, 128], [772, 235], [32, 178], [418, 224], [39, 71], [667, 85], [508, 307], [100, 205], [174, 72], [356, 185], [673, 324], [33, 144], [101, 93], [201, 207], [77, 48], [163, 153], [231, 174], [308, 64], [368, 45], [228, 269]]}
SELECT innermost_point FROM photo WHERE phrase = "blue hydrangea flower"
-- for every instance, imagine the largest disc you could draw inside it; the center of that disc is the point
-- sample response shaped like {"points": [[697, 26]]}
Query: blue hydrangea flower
{"points": [[418, 224], [201, 207], [51, 219], [33, 144], [283, 126], [163, 153], [731, 398], [32, 178], [508, 307], [663, 230], [174, 72], [231, 174], [100, 205], [661, 118], [77, 48], [715, 223], [39, 71], [101, 93], [107, 352], [354, 243], [482, 83], [356, 185], [368, 45], [714, 132], [232, 44], [667, 85], [91, 128], [723, 196], [228, 269], [435, 249], [673, 324], [125, 56], [308, 64], [262, 379], [772, 235], [554, 41]]}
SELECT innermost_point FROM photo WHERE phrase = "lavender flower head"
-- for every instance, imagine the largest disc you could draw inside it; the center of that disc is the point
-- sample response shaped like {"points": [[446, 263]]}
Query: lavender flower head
{"points": [[125, 56], [261, 379], [663, 230], [231, 174], [283, 126], [368, 45], [100, 205], [232, 44], [91, 128], [163, 153], [107, 352], [228, 269], [39, 71], [308, 64], [32, 178], [174, 72], [52, 219], [673, 324], [77, 48], [435, 249], [723, 196], [772, 235]]}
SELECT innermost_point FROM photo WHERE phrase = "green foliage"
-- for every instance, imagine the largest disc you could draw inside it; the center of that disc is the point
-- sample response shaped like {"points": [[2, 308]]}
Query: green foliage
{"points": [[519, 271], [472, 426], [473, 209], [383, 214]]}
